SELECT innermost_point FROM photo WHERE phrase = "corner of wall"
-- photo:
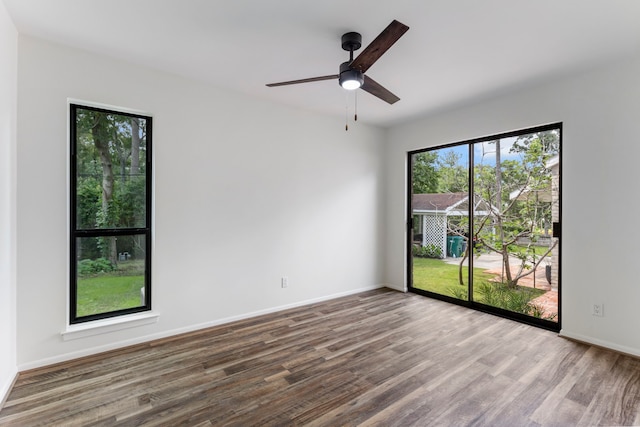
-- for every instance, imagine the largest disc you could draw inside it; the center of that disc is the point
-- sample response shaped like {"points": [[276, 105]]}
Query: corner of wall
{"points": [[6, 387], [8, 144], [396, 288]]}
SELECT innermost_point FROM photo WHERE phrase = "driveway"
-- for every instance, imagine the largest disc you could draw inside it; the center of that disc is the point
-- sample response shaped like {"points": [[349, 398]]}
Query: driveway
{"points": [[490, 261]]}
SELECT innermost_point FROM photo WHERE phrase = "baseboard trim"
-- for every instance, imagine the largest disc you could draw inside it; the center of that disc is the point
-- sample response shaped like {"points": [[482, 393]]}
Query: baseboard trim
{"points": [[7, 386], [142, 339], [600, 343]]}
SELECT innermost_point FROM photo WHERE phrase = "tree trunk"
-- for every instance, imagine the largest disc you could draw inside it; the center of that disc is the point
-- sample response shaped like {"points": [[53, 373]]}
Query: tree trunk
{"points": [[461, 265], [99, 133], [498, 202], [135, 147]]}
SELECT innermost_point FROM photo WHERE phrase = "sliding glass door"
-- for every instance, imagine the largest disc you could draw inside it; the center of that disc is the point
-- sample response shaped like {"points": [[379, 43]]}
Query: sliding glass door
{"points": [[484, 221]]}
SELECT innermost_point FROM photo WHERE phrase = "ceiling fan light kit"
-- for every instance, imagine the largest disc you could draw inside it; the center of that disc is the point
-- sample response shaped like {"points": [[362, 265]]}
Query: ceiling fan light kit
{"points": [[352, 73], [350, 79]]}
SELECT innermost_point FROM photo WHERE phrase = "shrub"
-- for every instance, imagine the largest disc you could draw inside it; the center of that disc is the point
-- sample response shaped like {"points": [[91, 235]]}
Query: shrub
{"points": [[87, 267], [500, 295], [429, 251], [459, 292], [512, 299]]}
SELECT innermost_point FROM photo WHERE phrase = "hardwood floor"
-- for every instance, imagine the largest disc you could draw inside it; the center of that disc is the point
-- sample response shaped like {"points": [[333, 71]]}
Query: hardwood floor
{"points": [[376, 358]]}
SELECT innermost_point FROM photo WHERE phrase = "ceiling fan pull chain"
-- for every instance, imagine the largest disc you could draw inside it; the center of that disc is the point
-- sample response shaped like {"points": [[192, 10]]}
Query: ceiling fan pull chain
{"points": [[346, 111], [346, 120], [355, 116]]}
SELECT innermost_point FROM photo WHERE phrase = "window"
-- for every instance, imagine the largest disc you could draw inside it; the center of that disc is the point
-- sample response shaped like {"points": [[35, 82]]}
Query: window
{"points": [[110, 213]]}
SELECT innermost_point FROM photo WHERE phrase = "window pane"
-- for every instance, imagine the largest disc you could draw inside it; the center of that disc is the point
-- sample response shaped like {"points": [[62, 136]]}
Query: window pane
{"points": [[440, 211], [518, 178], [110, 274], [110, 170]]}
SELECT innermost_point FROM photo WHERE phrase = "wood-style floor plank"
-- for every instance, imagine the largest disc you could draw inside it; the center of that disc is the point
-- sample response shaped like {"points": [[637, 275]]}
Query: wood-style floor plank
{"points": [[379, 358]]}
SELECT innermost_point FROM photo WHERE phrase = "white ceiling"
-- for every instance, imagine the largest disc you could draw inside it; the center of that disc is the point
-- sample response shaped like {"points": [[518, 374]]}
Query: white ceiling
{"points": [[455, 51]]}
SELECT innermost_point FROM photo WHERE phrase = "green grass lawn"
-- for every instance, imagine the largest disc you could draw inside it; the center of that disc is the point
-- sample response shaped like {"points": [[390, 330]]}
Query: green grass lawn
{"points": [[105, 293], [437, 276]]}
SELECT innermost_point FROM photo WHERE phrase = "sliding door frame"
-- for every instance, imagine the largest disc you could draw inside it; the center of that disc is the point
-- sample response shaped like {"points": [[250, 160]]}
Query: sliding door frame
{"points": [[470, 303]]}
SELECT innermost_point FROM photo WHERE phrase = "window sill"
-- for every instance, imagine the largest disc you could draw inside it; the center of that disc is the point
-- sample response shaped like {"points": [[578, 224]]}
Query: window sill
{"points": [[108, 325]]}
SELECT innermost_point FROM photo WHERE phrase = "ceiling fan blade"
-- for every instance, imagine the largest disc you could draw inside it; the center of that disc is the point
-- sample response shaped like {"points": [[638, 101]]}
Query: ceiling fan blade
{"points": [[376, 89], [379, 46], [312, 79]]}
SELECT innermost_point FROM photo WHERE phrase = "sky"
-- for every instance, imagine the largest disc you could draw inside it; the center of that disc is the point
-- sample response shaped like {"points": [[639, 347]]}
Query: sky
{"points": [[484, 152]]}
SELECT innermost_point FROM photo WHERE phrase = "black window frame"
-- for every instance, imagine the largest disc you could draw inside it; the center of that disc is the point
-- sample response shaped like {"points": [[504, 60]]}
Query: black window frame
{"points": [[76, 233]]}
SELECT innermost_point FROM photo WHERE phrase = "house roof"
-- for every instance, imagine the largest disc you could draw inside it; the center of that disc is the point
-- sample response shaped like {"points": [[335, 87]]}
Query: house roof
{"points": [[437, 201]]}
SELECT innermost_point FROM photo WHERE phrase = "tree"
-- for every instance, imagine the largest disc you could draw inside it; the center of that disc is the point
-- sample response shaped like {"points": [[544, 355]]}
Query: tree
{"points": [[105, 140], [453, 177], [135, 146], [425, 173], [506, 187], [100, 133]]}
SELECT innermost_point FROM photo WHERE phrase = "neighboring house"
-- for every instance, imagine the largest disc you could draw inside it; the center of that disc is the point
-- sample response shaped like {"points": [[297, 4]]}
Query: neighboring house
{"points": [[438, 214]]}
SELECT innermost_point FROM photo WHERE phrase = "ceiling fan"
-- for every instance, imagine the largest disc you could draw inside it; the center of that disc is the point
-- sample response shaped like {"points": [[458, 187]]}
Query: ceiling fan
{"points": [[351, 75]]}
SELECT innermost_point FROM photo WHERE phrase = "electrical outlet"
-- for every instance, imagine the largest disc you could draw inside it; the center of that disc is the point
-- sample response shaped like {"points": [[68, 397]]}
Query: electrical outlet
{"points": [[284, 282], [598, 310]]}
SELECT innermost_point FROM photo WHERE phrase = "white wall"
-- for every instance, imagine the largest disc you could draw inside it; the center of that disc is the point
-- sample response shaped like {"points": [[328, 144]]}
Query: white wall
{"points": [[8, 109], [245, 192], [600, 110]]}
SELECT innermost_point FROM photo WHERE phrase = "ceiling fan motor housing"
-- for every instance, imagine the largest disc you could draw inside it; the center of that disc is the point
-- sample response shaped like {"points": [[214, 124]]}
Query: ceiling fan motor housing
{"points": [[351, 41]]}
